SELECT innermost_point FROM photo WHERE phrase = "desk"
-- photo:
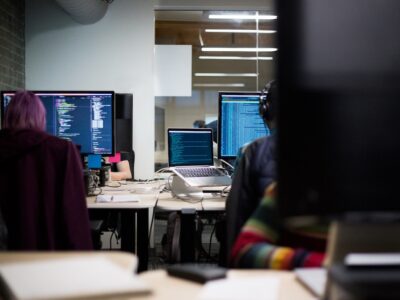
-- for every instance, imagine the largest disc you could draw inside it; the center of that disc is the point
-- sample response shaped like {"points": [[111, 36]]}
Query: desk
{"points": [[134, 219], [165, 287], [135, 216], [162, 284]]}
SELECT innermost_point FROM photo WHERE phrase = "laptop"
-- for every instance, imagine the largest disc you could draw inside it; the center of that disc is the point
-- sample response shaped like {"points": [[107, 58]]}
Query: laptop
{"points": [[190, 156]]}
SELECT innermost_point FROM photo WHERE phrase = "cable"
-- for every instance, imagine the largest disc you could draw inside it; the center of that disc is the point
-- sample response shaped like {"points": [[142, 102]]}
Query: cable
{"points": [[169, 183], [112, 233], [199, 246], [114, 186], [209, 245], [163, 170], [225, 191], [154, 214], [228, 164]]}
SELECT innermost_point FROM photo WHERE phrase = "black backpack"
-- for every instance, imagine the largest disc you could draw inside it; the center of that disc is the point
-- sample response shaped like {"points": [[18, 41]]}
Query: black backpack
{"points": [[171, 240]]}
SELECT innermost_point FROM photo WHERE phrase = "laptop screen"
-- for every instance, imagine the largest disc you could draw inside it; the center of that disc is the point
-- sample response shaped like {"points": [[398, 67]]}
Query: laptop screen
{"points": [[189, 147]]}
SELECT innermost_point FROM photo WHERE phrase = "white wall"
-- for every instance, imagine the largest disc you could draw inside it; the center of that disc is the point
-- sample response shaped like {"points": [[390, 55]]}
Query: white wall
{"points": [[115, 53], [173, 70]]}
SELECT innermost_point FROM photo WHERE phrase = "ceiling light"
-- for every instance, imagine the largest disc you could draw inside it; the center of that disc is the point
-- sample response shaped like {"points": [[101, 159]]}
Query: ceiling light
{"points": [[237, 57], [244, 17], [226, 74], [218, 84], [233, 49], [240, 31]]}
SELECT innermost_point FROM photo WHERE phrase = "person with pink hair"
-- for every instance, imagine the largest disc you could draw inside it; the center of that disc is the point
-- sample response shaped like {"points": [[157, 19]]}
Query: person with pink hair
{"points": [[41, 182]]}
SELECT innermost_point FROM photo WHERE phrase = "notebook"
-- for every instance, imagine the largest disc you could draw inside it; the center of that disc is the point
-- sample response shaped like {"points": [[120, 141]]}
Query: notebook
{"points": [[190, 156], [69, 278]]}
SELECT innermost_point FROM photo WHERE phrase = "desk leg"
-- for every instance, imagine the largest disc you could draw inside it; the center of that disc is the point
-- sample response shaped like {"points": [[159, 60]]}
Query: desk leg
{"points": [[128, 231], [128, 234], [187, 240], [143, 238]]}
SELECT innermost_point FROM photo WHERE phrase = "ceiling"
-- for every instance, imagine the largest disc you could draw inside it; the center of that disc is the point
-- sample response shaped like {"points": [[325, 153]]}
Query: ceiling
{"points": [[189, 28]]}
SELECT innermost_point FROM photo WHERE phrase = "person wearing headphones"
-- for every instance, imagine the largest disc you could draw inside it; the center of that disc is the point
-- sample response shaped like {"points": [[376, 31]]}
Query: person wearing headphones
{"points": [[255, 169], [257, 237]]}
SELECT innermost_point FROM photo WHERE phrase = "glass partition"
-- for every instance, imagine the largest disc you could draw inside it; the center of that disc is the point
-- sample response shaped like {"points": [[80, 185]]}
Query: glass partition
{"points": [[231, 51]]}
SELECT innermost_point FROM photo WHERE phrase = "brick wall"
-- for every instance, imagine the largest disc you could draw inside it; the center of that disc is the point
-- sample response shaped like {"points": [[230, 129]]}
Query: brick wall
{"points": [[12, 44]]}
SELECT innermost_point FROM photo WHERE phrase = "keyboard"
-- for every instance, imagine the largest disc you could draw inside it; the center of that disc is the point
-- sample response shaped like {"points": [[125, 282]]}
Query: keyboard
{"points": [[199, 172]]}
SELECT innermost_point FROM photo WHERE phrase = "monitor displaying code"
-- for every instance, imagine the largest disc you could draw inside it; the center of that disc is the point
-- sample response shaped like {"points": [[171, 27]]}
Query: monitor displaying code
{"points": [[190, 147], [85, 118], [239, 122]]}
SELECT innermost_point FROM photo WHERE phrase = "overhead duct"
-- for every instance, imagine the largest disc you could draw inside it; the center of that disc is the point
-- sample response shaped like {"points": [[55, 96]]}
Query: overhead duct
{"points": [[85, 12]]}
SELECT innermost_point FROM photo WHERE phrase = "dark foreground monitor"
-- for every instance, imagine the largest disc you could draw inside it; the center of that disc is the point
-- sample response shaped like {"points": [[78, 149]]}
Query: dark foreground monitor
{"points": [[85, 118], [339, 124], [239, 122]]}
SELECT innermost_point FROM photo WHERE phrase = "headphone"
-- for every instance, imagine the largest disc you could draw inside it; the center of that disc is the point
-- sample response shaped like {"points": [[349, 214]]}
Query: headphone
{"points": [[265, 107]]}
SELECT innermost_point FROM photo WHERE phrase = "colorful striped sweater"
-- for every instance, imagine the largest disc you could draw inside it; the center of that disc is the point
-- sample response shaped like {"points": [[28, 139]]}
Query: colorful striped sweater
{"points": [[256, 247]]}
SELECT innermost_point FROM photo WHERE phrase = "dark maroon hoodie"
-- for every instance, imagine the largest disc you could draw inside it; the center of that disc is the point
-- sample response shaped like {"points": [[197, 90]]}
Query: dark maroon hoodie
{"points": [[42, 194]]}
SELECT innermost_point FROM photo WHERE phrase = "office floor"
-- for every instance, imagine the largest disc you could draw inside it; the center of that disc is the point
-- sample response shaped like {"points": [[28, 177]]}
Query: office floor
{"points": [[207, 255]]}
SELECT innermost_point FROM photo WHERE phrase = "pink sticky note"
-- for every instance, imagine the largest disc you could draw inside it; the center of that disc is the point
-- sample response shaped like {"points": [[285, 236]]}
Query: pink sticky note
{"points": [[116, 158]]}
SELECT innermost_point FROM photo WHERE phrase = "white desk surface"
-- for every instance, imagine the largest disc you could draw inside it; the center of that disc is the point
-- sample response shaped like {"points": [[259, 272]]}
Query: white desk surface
{"points": [[207, 203], [124, 259], [147, 198], [165, 287], [146, 201], [148, 194]]}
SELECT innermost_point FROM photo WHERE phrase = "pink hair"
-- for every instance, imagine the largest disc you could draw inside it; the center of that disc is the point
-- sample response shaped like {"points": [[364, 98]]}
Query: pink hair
{"points": [[25, 110]]}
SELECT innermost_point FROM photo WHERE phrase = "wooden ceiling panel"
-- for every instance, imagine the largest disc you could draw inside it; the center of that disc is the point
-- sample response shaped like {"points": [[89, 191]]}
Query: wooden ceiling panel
{"points": [[187, 32]]}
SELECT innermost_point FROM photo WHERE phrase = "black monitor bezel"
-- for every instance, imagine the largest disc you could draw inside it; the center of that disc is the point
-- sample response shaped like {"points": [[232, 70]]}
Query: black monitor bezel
{"points": [[2, 93], [220, 156]]}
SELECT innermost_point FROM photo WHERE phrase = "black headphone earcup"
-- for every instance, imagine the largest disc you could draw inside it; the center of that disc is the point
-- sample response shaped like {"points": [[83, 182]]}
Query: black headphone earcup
{"points": [[264, 107], [265, 104]]}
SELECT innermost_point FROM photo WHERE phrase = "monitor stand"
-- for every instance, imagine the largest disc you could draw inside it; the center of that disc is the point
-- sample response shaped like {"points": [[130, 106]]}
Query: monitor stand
{"points": [[361, 237], [180, 188]]}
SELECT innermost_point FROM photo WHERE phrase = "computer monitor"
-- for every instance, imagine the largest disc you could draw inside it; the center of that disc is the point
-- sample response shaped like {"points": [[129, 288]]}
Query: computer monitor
{"points": [[86, 118], [338, 130], [339, 107], [239, 122]]}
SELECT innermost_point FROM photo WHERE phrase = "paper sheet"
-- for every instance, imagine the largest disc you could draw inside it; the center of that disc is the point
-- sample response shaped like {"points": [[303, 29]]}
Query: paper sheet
{"points": [[254, 288], [117, 198], [69, 277]]}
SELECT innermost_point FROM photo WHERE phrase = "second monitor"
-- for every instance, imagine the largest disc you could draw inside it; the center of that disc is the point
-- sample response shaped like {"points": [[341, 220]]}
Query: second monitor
{"points": [[85, 118]]}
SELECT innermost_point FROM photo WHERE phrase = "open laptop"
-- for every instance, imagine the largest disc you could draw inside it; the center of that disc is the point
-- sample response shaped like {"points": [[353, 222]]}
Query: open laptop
{"points": [[190, 156]]}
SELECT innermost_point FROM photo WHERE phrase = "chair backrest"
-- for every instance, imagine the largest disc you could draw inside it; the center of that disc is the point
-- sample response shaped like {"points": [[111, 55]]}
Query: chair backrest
{"points": [[42, 194], [130, 157]]}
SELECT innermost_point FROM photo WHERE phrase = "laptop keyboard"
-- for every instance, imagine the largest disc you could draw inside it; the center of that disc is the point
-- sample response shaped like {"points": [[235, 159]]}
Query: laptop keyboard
{"points": [[199, 172]]}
